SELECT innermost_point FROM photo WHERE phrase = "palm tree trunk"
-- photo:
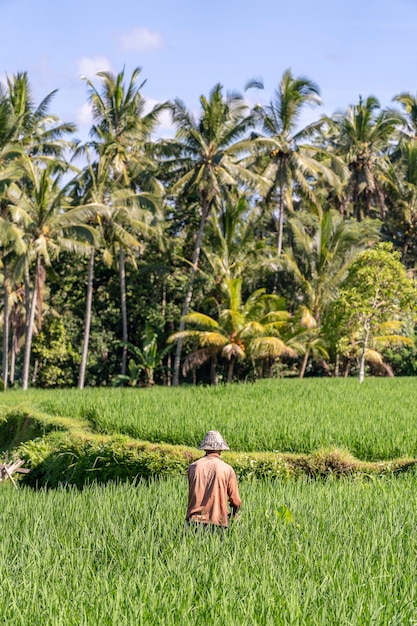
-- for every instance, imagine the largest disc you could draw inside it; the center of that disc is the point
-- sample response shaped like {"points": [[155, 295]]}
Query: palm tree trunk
{"points": [[35, 371], [6, 329], [337, 366], [230, 370], [304, 364], [363, 351], [280, 222], [169, 365], [214, 379], [16, 334], [196, 256], [280, 233], [125, 337], [29, 328], [27, 295], [13, 356], [87, 324]]}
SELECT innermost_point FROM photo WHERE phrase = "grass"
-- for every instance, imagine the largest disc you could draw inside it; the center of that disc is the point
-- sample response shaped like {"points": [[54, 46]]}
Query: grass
{"points": [[120, 555], [374, 421]]}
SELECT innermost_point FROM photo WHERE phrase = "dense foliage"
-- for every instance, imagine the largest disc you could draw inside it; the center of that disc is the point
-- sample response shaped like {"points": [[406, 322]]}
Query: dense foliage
{"points": [[229, 252]]}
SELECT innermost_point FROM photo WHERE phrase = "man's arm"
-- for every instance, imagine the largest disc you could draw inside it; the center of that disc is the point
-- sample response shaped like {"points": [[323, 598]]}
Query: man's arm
{"points": [[233, 493]]}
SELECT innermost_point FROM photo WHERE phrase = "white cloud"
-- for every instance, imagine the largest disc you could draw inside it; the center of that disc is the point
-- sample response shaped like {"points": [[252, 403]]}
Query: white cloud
{"points": [[89, 66], [84, 115], [140, 40]]}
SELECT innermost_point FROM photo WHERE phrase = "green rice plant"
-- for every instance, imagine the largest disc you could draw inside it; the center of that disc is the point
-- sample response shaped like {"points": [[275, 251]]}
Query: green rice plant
{"points": [[373, 421], [302, 552]]}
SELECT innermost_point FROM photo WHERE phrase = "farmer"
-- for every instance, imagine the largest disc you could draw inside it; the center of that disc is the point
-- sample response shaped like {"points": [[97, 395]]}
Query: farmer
{"points": [[212, 484]]}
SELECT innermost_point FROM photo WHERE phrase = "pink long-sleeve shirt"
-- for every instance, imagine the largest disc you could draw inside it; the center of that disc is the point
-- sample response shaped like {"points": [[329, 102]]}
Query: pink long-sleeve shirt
{"points": [[212, 484]]}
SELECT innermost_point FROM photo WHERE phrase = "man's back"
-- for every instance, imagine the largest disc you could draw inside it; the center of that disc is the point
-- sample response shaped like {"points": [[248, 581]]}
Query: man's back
{"points": [[211, 484]]}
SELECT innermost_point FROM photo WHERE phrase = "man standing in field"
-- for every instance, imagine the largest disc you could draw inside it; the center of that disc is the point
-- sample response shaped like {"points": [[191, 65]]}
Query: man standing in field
{"points": [[212, 484]]}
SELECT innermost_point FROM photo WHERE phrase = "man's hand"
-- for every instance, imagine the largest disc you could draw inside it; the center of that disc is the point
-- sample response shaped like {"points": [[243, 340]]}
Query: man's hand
{"points": [[234, 514]]}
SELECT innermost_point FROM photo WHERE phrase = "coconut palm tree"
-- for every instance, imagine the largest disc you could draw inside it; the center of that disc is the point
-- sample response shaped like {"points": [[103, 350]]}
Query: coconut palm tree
{"points": [[363, 136], [24, 129], [400, 182], [288, 158], [118, 218], [35, 129], [13, 247], [231, 246], [121, 135], [206, 164], [9, 236], [251, 328], [323, 248], [409, 104], [37, 207]]}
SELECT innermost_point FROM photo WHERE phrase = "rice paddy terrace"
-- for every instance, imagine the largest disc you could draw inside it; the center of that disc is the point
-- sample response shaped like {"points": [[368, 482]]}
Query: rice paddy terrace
{"points": [[305, 550]]}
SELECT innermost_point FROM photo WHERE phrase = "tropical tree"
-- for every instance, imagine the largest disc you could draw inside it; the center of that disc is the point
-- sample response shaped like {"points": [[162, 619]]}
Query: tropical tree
{"points": [[88, 189], [121, 136], [147, 359], [37, 208], [363, 136], [35, 129], [251, 328], [377, 295], [205, 163], [13, 246], [117, 219], [289, 160], [232, 247], [323, 248], [409, 104], [400, 181]]}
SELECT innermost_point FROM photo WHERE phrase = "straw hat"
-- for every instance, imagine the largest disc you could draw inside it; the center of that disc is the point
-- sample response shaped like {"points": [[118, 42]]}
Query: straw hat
{"points": [[214, 441]]}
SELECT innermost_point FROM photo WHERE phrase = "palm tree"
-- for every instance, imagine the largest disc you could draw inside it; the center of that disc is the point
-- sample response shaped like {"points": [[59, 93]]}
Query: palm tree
{"points": [[291, 161], [121, 136], [34, 127], [206, 164], [401, 184], [362, 136], [232, 246], [24, 129], [37, 208], [409, 104], [245, 328], [117, 218], [323, 247], [13, 247], [87, 189], [9, 236]]}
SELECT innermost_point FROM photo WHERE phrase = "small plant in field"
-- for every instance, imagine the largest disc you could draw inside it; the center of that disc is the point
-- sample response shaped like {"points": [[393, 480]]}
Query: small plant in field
{"points": [[283, 513], [147, 360]]}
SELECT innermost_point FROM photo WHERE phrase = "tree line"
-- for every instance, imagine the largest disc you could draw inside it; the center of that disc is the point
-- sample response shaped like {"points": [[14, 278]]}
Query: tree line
{"points": [[247, 245]]}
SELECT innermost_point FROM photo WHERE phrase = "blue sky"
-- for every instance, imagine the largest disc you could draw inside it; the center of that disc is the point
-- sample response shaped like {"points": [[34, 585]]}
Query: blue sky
{"points": [[349, 48]]}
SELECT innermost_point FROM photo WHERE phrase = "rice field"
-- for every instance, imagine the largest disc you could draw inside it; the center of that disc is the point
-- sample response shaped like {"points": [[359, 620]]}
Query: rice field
{"points": [[303, 552], [374, 421], [344, 554]]}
